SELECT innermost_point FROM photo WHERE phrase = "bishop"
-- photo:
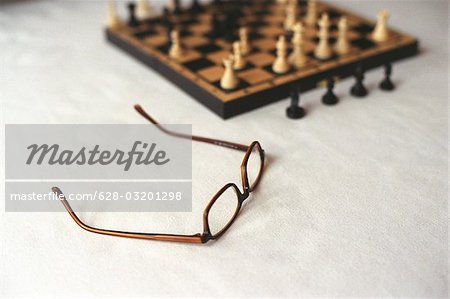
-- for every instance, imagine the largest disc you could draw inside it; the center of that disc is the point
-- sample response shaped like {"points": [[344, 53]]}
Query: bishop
{"points": [[323, 49], [281, 65], [298, 57], [342, 46]]}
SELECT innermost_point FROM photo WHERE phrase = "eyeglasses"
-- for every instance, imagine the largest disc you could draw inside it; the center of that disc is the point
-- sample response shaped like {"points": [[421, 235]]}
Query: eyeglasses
{"points": [[221, 211]]}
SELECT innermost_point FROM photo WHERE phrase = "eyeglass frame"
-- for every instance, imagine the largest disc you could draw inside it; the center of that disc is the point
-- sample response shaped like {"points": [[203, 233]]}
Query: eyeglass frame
{"points": [[199, 237]]}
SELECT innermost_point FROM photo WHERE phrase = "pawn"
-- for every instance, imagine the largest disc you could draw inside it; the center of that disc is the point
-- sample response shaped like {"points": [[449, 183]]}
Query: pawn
{"points": [[329, 98], [294, 111], [229, 79], [132, 20], [380, 32], [358, 90], [239, 60], [176, 50], [387, 84]]}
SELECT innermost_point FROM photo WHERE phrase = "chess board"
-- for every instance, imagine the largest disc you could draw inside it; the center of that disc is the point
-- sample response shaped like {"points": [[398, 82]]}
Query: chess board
{"points": [[199, 71]]}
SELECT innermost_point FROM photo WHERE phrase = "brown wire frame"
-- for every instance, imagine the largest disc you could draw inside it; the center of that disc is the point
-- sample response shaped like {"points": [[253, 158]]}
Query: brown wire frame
{"points": [[196, 238]]}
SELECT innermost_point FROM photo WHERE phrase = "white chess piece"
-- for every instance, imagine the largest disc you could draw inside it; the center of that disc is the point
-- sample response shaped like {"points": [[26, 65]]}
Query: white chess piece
{"points": [[381, 33], [239, 60], [291, 15], [323, 49], [112, 20], [281, 65], [229, 79], [311, 13], [243, 38], [298, 57], [342, 46], [176, 50], [143, 10]]}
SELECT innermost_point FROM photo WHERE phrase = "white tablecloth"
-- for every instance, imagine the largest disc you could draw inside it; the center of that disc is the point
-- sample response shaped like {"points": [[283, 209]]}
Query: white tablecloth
{"points": [[353, 201]]}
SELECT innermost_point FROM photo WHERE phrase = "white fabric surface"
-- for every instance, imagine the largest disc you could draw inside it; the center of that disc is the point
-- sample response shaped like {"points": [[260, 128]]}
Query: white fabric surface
{"points": [[353, 201]]}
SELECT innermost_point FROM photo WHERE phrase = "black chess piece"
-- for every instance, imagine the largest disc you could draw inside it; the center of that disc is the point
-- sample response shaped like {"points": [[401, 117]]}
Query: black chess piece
{"points": [[329, 98], [294, 111], [215, 26], [228, 27], [195, 7], [176, 7], [387, 84], [132, 20], [358, 90]]}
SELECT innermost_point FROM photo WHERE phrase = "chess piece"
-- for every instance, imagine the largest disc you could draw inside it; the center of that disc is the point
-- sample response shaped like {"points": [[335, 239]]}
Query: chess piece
{"points": [[358, 90], [112, 21], [329, 98], [176, 50], [342, 46], [195, 7], [311, 13], [175, 5], [323, 49], [294, 111], [228, 28], [243, 38], [132, 20], [143, 9], [291, 15], [298, 57], [381, 33], [215, 26], [229, 79], [239, 60], [387, 84], [281, 65]]}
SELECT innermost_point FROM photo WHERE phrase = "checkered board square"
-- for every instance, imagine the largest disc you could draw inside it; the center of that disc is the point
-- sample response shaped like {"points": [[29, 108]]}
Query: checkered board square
{"points": [[199, 70]]}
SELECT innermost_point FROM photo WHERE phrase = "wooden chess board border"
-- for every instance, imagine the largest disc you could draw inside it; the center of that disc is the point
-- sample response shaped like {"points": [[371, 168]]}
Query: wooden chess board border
{"points": [[309, 79]]}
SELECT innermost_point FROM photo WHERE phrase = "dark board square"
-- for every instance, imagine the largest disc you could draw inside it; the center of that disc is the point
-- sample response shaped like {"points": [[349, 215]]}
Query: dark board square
{"points": [[363, 29], [144, 33], [269, 69], [208, 48], [262, 12], [363, 43], [333, 14], [332, 27], [242, 84], [190, 21], [164, 48], [331, 40], [247, 67], [254, 36], [311, 55], [198, 64], [257, 24]]}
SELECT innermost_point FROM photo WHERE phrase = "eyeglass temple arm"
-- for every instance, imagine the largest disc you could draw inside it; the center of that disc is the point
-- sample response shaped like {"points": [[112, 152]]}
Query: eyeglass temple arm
{"points": [[226, 144], [197, 238]]}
